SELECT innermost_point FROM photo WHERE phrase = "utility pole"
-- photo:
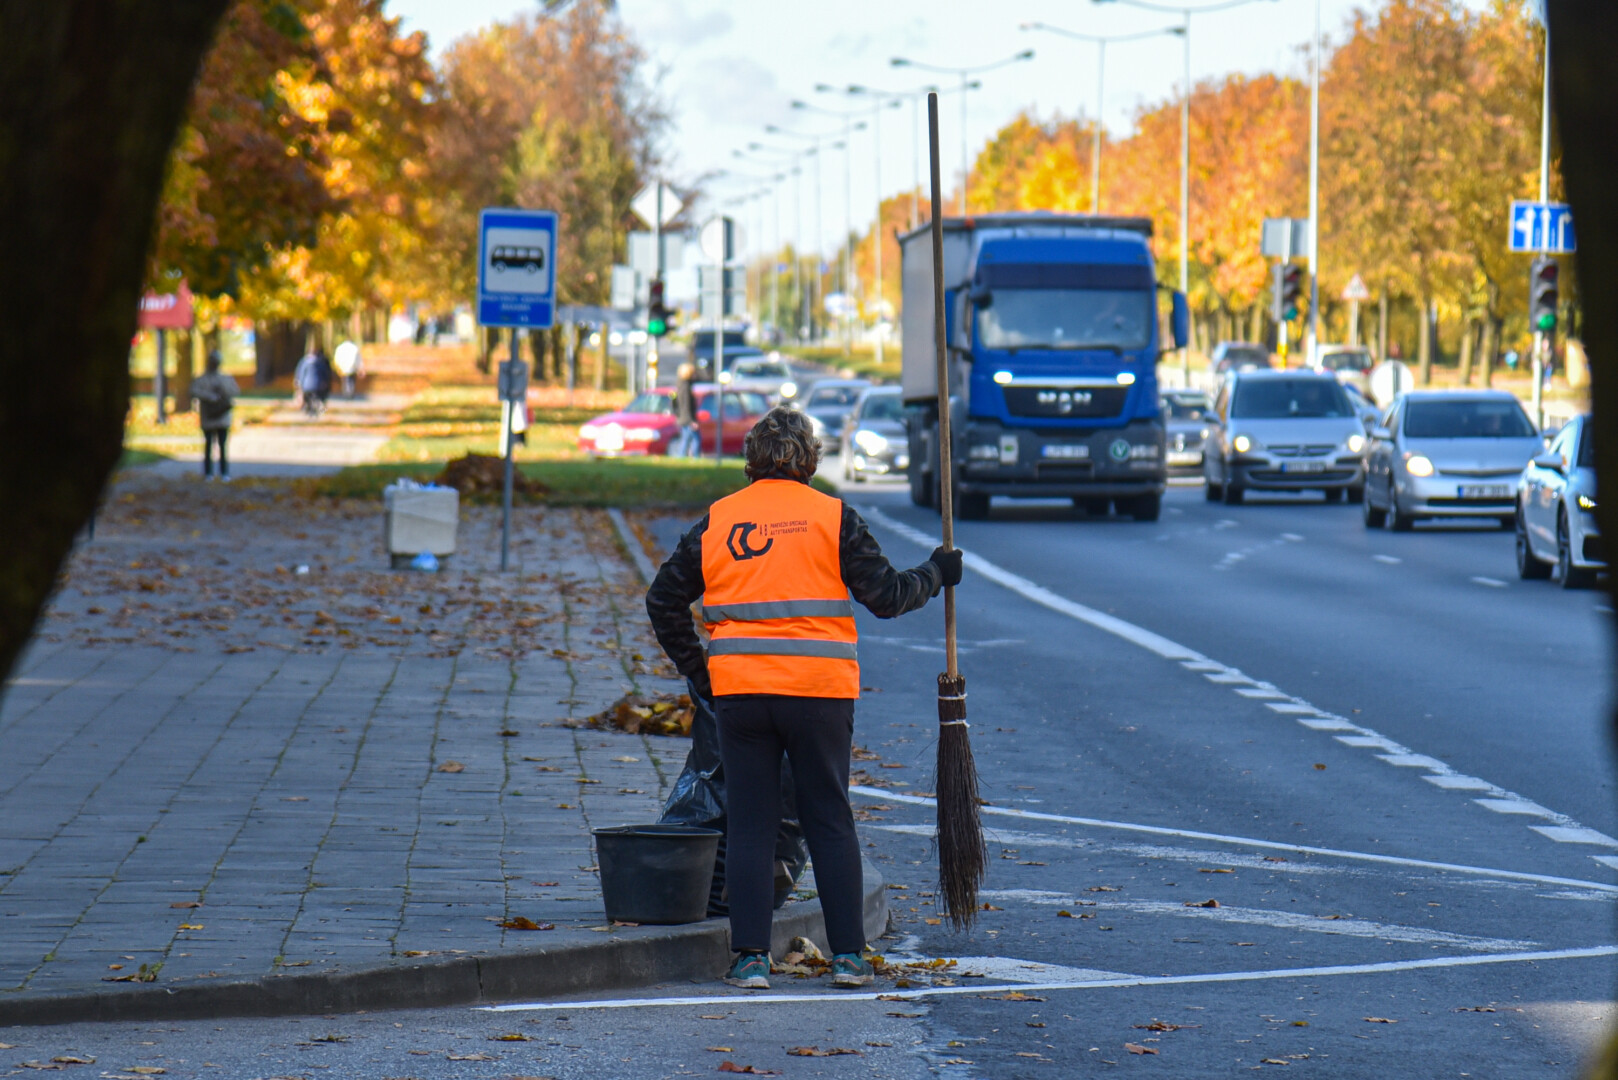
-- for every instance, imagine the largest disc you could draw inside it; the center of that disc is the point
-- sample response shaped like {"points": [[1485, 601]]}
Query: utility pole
{"points": [[1314, 200]]}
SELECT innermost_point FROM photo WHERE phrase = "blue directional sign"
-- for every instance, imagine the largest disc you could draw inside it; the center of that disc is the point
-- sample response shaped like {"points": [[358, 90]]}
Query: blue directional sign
{"points": [[1542, 227], [517, 268]]}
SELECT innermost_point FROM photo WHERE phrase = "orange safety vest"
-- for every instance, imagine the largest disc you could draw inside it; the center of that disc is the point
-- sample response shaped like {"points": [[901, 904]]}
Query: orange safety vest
{"points": [[778, 615]]}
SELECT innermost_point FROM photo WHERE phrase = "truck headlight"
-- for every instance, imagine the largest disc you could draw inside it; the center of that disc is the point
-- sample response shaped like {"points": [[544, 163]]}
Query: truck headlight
{"points": [[870, 442]]}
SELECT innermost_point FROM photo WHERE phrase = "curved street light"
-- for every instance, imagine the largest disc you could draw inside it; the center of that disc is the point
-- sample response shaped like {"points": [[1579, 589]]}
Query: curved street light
{"points": [[965, 73]]}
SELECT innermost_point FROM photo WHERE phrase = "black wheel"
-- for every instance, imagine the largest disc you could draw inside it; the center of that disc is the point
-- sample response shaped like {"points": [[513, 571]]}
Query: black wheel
{"points": [[1333, 495], [1356, 493], [1212, 492], [1095, 507], [1529, 566], [1508, 521], [1374, 518], [1233, 495], [1567, 575], [971, 506], [1398, 520], [1143, 507]]}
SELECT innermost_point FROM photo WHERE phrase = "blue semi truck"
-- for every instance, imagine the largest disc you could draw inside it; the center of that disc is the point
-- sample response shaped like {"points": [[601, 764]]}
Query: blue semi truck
{"points": [[1054, 329]]}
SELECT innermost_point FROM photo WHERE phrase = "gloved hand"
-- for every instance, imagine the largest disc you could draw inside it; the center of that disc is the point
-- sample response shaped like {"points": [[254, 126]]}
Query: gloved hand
{"points": [[948, 563], [700, 684]]}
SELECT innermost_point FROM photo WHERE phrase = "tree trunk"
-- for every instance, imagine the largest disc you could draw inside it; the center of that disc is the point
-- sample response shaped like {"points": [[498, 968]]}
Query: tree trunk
{"points": [[91, 95], [1426, 319], [1467, 327], [186, 344], [1382, 325], [1491, 342]]}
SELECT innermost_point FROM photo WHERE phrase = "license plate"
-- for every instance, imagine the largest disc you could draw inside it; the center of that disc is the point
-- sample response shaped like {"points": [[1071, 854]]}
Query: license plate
{"points": [[610, 439], [1185, 457], [1303, 466], [1484, 491], [1065, 451]]}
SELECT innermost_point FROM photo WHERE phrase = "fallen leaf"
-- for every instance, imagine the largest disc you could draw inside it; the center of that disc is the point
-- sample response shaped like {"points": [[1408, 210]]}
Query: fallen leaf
{"points": [[522, 922], [711, 1016], [933, 922], [1064, 914], [1013, 995], [625, 758], [147, 1070], [545, 884], [868, 1042], [1137, 1048], [470, 1057], [1101, 888], [1305, 1023], [416, 952], [69, 1059], [1476, 1008], [452, 767], [720, 1049], [1025, 1053], [294, 798], [1159, 1025], [1379, 1020], [511, 1036], [1204, 903], [732, 1067], [192, 926], [1273, 1061], [40, 1065], [1204, 870], [1273, 858], [815, 1051], [1320, 765], [186, 904], [892, 765], [8, 1046], [508, 733], [957, 1061], [330, 1039]]}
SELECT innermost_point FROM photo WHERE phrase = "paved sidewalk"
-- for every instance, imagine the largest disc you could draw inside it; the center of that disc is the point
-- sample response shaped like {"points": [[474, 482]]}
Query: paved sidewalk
{"points": [[222, 768]]}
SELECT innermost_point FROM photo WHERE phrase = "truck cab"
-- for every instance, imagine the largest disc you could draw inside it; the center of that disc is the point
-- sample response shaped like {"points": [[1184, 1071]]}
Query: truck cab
{"points": [[1052, 337]]}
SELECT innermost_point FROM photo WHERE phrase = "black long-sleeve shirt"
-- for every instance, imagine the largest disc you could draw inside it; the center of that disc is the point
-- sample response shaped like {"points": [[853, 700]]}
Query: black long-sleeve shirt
{"points": [[885, 591]]}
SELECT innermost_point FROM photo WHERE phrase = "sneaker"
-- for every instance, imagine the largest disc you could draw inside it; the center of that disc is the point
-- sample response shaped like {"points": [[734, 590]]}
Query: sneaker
{"points": [[750, 972], [851, 970]]}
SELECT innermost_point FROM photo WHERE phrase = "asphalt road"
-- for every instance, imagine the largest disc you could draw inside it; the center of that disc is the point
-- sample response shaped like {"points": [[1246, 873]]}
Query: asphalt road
{"points": [[1268, 792]]}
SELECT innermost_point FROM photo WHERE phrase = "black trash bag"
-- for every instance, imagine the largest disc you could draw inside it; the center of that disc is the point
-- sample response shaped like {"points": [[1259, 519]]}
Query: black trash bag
{"points": [[698, 799]]}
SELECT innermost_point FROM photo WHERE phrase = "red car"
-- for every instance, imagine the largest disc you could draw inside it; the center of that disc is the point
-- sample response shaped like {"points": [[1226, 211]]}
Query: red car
{"points": [[646, 425]]}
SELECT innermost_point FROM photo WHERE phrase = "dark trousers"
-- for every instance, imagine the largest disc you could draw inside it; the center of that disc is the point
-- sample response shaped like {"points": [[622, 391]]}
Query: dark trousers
{"points": [[209, 438], [816, 734]]}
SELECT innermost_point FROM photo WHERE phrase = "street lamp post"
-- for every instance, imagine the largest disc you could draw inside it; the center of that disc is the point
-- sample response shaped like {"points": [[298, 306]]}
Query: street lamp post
{"points": [[965, 74], [795, 158], [1185, 140], [814, 151], [849, 127], [1101, 44]]}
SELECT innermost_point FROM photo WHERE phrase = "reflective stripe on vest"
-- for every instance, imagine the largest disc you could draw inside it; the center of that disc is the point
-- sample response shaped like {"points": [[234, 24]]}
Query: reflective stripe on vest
{"points": [[760, 610], [764, 646]]}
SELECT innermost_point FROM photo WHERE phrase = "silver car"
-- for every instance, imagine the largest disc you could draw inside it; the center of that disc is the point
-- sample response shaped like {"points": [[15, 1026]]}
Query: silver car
{"points": [[875, 440], [1283, 430], [1447, 453], [1556, 501], [827, 404]]}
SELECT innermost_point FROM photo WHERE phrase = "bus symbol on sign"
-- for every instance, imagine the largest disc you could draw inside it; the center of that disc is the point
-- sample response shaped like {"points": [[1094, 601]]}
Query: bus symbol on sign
{"points": [[531, 259]]}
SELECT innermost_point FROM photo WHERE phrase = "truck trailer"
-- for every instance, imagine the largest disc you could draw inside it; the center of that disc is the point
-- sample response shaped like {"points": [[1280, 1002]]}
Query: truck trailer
{"points": [[1053, 328]]}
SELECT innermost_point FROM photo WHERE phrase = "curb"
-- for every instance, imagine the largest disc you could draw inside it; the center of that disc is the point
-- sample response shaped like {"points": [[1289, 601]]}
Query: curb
{"points": [[618, 963]]}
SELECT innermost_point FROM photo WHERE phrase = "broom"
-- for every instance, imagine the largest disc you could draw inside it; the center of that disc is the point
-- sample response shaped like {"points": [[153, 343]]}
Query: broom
{"points": [[959, 837]]}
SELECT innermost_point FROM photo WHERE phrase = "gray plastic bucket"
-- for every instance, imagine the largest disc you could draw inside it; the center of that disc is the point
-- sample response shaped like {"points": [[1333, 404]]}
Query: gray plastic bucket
{"points": [[656, 874]]}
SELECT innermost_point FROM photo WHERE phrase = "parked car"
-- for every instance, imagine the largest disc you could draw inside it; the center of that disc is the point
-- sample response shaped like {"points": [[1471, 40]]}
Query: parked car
{"points": [[1350, 363], [1281, 430], [827, 402], [875, 440], [768, 375], [1557, 533], [646, 426], [1231, 356], [1447, 453], [1185, 416]]}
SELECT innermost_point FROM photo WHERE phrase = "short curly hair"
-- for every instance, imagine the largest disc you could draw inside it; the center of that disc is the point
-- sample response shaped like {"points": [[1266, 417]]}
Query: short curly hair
{"points": [[782, 446]]}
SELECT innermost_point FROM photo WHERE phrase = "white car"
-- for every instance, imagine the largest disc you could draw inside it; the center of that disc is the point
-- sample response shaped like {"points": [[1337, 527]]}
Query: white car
{"points": [[1557, 533]]}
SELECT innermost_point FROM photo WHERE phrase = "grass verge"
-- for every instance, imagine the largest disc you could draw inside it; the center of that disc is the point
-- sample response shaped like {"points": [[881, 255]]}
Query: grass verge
{"points": [[135, 458], [860, 365]]}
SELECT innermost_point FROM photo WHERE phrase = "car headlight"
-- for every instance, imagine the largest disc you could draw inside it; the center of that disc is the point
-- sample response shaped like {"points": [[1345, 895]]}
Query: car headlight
{"points": [[789, 389], [588, 431], [1418, 465], [725, 377], [641, 434], [870, 442], [1243, 444], [1355, 443], [1586, 503]]}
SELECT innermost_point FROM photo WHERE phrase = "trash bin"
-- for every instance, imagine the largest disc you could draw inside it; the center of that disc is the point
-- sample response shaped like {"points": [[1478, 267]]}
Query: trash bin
{"points": [[656, 874], [419, 518]]}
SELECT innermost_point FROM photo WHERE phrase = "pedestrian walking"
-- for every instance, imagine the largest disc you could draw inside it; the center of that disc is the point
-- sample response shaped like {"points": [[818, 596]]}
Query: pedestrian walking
{"points": [[214, 393], [346, 359], [774, 566], [313, 380], [688, 443]]}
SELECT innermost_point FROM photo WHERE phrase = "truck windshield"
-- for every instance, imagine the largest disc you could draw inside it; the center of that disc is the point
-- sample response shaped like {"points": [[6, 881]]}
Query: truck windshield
{"points": [[1067, 319]]}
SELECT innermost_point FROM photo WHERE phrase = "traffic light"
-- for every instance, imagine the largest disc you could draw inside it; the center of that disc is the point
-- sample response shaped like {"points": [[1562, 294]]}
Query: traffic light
{"points": [[1543, 294], [657, 312], [1291, 289]]}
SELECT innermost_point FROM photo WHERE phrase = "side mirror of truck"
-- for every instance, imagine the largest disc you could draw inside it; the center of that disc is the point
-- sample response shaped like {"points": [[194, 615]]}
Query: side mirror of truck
{"points": [[1181, 320], [980, 295]]}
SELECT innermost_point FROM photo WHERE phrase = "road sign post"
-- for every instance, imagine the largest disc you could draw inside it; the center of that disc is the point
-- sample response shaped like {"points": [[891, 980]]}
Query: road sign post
{"points": [[1542, 227], [1355, 292], [718, 243], [516, 289]]}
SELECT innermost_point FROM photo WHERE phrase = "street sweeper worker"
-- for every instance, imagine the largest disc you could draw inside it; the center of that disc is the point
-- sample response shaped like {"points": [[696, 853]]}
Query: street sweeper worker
{"points": [[774, 566]]}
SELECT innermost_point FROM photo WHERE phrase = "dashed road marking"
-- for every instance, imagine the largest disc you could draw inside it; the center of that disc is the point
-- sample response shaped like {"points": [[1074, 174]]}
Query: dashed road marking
{"points": [[1391, 560], [1292, 537], [1566, 830], [1514, 806], [1413, 761], [1328, 723], [1259, 692]]}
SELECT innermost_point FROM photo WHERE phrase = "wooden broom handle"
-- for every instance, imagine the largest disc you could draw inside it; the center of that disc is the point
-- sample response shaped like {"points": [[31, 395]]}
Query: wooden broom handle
{"points": [[946, 484]]}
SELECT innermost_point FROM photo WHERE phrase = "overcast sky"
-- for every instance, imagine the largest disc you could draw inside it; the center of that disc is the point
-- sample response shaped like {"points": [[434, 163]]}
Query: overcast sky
{"points": [[728, 68]]}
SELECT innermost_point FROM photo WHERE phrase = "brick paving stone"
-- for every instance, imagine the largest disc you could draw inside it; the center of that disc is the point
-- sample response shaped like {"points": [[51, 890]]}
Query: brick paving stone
{"points": [[198, 722]]}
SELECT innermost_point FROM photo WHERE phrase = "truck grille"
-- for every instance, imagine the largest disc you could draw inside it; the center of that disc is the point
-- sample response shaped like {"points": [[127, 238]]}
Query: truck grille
{"points": [[1079, 470], [1065, 402]]}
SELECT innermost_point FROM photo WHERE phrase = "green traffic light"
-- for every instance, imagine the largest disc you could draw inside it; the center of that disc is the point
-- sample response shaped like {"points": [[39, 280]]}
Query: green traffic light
{"points": [[657, 327], [1546, 323], [1291, 313]]}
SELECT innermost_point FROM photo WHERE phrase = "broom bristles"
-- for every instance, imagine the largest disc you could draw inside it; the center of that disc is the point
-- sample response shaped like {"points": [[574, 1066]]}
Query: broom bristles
{"points": [[961, 855]]}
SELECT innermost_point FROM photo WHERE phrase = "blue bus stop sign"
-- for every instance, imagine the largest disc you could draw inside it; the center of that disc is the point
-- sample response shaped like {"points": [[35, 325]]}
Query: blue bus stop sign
{"points": [[517, 268]]}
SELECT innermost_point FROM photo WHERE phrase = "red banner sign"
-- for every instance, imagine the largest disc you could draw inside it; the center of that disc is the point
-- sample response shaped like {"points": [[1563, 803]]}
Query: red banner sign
{"points": [[166, 311]]}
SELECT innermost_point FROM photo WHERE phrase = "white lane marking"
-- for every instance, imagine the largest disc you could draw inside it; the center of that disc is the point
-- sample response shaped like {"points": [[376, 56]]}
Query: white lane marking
{"points": [[1248, 841], [1607, 860], [1493, 583], [1391, 560], [1293, 537], [1228, 677], [1285, 920], [1259, 692], [1328, 723], [1372, 742], [1225, 523], [1564, 834], [1202, 665], [1162, 646], [1171, 650], [1294, 708], [1383, 967], [1457, 782], [1514, 806], [1414, 761]]}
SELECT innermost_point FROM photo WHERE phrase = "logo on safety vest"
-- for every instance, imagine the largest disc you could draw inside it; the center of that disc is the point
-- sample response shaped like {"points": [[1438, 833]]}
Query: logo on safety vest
{"points": [[740, 550]]}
